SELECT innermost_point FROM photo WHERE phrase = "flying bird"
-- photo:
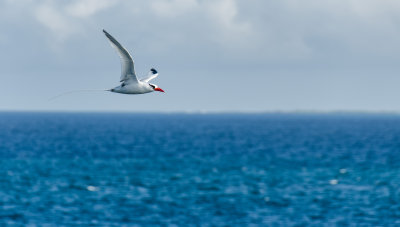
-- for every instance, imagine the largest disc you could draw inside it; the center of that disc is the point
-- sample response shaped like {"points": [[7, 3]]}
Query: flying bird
{"points": [[129, 81]]}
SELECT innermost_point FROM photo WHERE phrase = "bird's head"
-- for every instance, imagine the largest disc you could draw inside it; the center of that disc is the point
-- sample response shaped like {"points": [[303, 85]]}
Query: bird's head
{"points": [[156, 88]]}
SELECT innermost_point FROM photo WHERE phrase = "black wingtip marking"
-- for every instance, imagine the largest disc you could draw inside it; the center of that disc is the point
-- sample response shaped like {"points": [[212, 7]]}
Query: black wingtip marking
{"points": [[107, 34], [153, 71]]}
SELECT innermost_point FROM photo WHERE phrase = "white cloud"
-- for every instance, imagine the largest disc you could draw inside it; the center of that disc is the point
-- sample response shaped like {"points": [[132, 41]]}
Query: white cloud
{"points": [[86, 8], [214, 20], [172, 8], [54, 20], [225, 13], [232, 32], [65, 20]]}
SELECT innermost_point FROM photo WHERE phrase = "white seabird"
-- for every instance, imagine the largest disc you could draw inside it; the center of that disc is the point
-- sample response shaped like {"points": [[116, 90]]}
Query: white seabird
{"points": [[130, 83]]}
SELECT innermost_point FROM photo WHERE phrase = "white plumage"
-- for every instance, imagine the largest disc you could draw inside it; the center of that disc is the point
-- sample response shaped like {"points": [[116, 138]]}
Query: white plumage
{"points": [[130, 83]]}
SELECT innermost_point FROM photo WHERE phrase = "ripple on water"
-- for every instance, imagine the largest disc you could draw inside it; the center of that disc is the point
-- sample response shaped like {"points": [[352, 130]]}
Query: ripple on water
{"points": [[223, 170]]}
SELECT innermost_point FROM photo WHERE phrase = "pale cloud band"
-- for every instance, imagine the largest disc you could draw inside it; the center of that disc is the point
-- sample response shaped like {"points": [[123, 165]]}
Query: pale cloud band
{"points": [[283, 27]]}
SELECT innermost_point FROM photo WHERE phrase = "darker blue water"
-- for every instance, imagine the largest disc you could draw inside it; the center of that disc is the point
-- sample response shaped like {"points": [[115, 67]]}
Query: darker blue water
{"points": [[199, 170]]}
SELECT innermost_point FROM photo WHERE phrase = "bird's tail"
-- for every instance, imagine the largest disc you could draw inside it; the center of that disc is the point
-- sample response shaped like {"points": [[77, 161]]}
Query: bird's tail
{"points": [[75, 91]]}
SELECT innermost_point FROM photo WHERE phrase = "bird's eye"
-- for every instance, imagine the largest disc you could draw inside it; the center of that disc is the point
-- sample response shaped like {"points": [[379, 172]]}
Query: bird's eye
{"points": [[152, 86]]}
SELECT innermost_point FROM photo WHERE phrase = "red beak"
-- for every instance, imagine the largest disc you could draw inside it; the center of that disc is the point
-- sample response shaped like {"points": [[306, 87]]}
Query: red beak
{"points": [[159, 89]]}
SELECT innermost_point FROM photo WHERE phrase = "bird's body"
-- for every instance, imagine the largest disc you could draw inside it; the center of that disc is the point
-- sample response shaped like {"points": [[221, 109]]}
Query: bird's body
{"points": [[133, 88], [130, 83]]}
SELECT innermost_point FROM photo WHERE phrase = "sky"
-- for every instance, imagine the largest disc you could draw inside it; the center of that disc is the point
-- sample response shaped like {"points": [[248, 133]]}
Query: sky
{"points": [[211, 55]]}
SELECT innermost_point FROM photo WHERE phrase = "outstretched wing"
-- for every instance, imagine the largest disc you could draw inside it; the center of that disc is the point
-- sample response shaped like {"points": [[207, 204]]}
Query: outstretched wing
{"points": [[127, 65], [151, 75]]}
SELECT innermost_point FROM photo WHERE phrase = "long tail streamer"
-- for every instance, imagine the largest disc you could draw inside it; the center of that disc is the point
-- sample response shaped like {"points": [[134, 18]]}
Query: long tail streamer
{"points": [[72, 92]]}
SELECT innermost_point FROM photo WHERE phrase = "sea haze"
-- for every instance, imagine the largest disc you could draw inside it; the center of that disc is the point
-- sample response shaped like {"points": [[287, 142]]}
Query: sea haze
{"points": [[199, 169]]}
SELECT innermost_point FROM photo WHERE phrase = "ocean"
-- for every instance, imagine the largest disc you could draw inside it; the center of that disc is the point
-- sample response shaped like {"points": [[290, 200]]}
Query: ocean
{"points": [[129, 169]]}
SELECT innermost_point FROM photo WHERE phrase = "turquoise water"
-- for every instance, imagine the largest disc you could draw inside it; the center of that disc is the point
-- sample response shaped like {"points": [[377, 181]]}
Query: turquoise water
{"points": [[60, 169]]}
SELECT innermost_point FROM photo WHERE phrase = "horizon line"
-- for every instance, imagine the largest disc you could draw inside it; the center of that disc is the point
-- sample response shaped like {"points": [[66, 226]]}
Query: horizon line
{"points": [[305, 112]]}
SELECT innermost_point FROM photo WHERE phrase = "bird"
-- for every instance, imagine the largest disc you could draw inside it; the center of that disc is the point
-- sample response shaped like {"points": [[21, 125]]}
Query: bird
{"points": [[130, 84], [129, 81]]}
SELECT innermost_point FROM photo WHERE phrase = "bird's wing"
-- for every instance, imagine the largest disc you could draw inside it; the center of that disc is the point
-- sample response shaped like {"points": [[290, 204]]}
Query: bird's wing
{"points": [[151, 75], [127, 65]]}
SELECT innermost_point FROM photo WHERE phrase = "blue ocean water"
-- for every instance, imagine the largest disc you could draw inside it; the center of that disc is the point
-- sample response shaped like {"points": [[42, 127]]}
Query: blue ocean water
{"points": [[103, 169]]}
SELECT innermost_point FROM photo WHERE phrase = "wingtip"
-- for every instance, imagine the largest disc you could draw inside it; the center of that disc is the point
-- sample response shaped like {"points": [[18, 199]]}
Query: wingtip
{"points": [[106, 33], [153, 70]]}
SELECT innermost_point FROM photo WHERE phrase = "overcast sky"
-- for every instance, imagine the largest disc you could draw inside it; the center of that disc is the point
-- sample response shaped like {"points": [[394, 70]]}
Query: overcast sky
{"points": [[212, 55]]}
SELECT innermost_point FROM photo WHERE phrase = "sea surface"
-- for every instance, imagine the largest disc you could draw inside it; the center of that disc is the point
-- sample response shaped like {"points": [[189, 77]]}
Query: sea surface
{"points": [[109, 169]]}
